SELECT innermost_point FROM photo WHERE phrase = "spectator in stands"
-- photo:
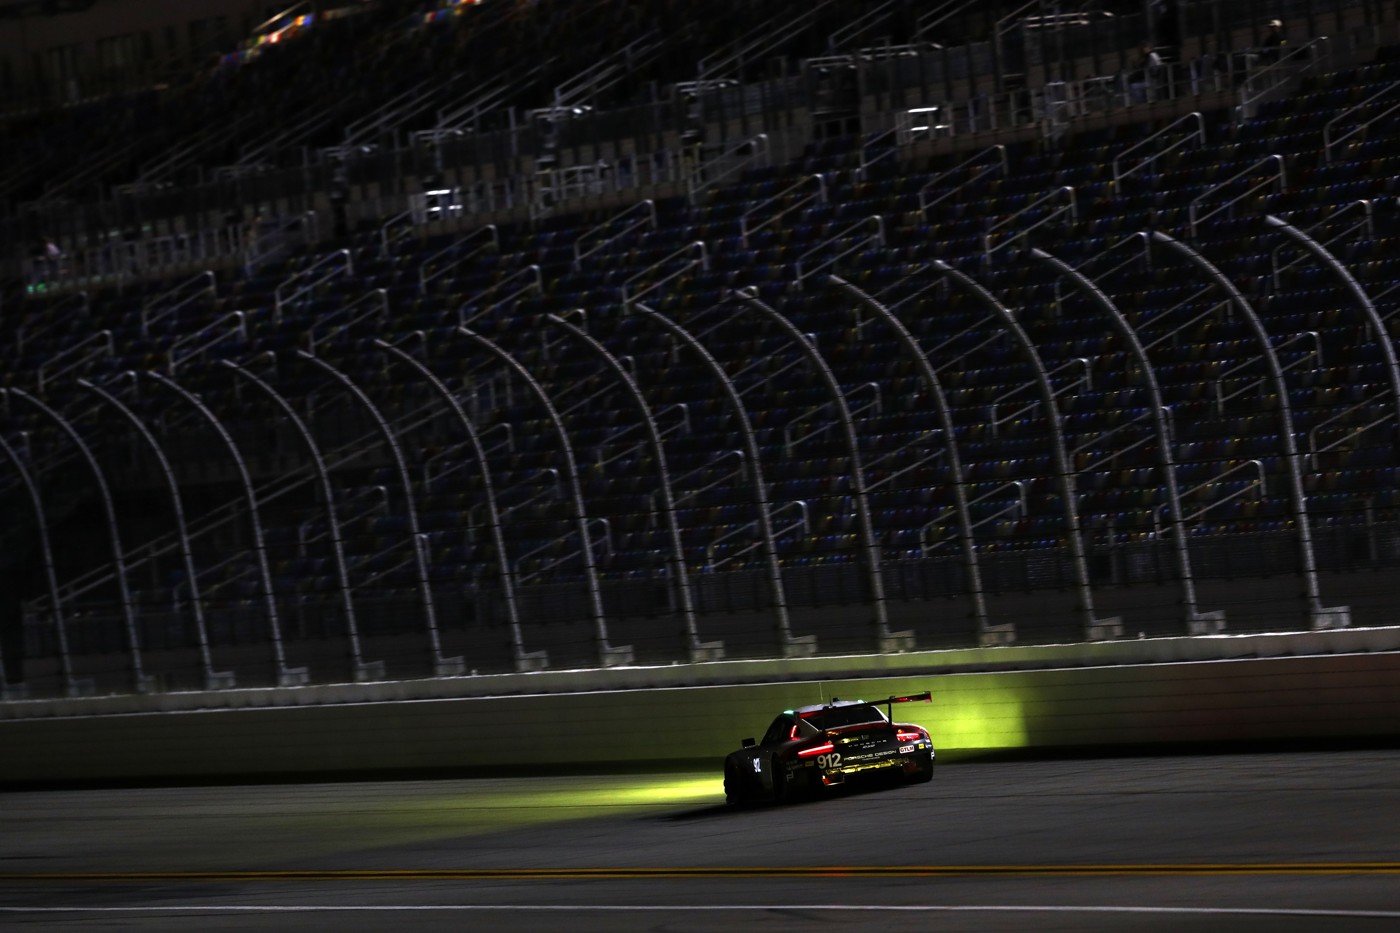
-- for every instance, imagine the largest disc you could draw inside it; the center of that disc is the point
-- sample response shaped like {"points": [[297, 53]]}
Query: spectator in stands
{"points": [[1271, 48], [51, 258], [1148, 76]]}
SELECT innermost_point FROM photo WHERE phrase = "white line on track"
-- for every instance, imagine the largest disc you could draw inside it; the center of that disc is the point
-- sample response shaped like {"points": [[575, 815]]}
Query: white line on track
{"points": [[655, 908]]}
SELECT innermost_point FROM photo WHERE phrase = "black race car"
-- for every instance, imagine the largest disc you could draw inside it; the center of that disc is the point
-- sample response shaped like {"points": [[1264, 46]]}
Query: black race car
{"points": [[821, 746]]}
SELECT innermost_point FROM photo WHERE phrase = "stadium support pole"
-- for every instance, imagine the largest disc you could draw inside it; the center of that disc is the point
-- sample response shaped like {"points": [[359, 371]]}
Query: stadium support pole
{"points": [[524, 660], [1318, 616], [680, 572], [286, 676], [987, 633], [1363, 300], [213, 680], [141, 682], [362, 670], [793, 646], [71, 685], [886, 640], [442, 666], [1197, 623], [1094, 628], [609, 655]]}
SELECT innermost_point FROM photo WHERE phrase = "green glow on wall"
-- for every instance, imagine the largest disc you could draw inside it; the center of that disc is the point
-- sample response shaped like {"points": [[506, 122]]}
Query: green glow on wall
{"points": [[973, 711]]}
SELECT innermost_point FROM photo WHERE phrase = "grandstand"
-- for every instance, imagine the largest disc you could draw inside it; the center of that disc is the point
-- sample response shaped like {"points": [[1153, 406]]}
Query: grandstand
{"points": [[442, 338]]}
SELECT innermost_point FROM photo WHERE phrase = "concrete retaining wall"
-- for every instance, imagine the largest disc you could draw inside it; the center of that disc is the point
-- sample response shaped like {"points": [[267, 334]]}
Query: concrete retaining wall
{"points": [[1278, 698]]}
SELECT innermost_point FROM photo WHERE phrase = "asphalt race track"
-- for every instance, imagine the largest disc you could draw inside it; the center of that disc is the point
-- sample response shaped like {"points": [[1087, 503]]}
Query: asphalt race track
{"points": [[1300, 841]]}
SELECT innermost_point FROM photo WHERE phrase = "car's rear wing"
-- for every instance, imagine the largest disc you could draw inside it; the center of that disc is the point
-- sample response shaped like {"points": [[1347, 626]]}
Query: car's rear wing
{"points": [[889, 702]]}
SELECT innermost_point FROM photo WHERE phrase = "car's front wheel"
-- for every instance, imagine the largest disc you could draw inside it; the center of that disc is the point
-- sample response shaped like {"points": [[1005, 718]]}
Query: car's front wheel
{"points": [[733, 786]]}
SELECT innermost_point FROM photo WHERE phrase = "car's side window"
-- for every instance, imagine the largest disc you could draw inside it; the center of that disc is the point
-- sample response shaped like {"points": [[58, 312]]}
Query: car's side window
{"points": [[778, 732]]}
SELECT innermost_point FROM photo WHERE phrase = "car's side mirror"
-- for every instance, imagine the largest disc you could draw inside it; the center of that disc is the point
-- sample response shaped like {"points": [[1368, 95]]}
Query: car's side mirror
{"points": [[748, 743]]}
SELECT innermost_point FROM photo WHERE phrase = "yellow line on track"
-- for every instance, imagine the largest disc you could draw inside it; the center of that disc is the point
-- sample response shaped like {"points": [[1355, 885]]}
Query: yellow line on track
{"points": [[755, 871]]}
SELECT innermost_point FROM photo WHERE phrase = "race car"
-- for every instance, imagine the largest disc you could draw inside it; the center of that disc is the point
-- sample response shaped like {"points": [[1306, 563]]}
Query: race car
{"points": [[816, 747]]}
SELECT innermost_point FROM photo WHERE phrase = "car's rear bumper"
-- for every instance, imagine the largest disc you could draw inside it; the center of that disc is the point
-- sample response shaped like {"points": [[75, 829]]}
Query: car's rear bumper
{"points": [[904, 762]]}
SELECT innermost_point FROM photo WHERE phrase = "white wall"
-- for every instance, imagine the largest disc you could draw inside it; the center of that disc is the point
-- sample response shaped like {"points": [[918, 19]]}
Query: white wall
{"points": [[1302, 698]]}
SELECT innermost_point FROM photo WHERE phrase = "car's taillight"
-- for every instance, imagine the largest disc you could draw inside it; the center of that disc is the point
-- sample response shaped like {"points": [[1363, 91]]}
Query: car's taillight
{"points": [[815, 750], [905, 735]]}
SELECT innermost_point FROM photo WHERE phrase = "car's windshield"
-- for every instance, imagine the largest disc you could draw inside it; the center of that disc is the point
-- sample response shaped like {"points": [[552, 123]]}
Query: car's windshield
{"points": [[834, 717]]}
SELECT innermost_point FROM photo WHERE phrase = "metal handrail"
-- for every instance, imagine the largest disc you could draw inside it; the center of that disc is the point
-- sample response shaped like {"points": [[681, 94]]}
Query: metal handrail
{"points": [[1314, 450], [210, 335], [696, 181], [804, 523], [1199, 135], [84, 350], [1099, 437], [878, 236], [1019, 507], [347, 267], [871, 465], [535, 284], [314, 529], [1280, 175], [1141, 238], [719, 457], [453, 122], [1221, 397], [607, 72], [820, 195], [767, 377], [424, 278], [702, 260], [791, 439], [1201, 292], [648, 207], [148, 309], [862, 24], [866, 160], [970, 162], [1328, 142], [375, 120], [380, 299], [1258, 483], [543, 568], [764, 37], [384, 230], [1086, 379], [553, 487], [1367, 221], [1069, 209]]}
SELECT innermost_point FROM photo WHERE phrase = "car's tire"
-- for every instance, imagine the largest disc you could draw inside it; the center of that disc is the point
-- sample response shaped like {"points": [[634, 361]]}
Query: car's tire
{"points": [[782, 789], [733, 785], [924, 774]]}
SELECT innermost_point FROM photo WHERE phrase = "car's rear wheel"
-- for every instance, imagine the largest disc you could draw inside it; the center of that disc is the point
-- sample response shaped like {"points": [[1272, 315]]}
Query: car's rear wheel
{"points": [[924, 773]]}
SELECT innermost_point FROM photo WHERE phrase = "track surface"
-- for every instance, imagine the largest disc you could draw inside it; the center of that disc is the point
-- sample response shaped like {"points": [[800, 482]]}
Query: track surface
{"points": [[1279, 842]]}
